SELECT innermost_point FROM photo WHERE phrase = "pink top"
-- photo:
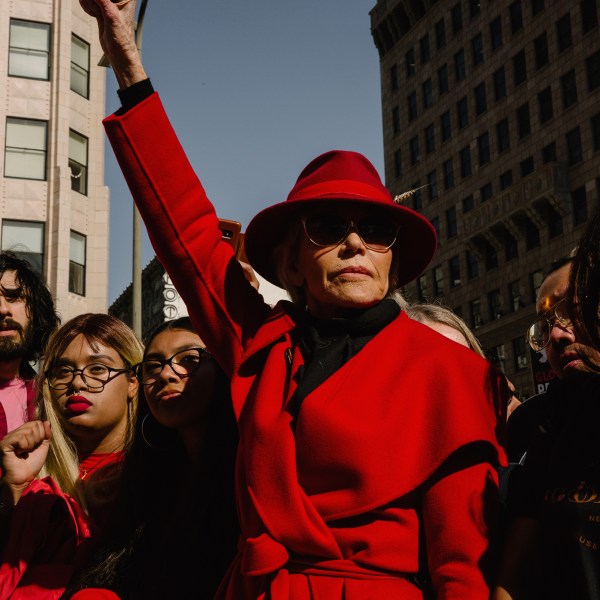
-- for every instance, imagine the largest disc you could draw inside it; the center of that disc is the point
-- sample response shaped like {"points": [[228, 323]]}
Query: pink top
{"points": [[13, 397]]}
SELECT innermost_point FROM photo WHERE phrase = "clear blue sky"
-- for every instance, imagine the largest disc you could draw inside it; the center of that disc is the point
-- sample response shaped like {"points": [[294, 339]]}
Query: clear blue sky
{"points": [[255, 90]]}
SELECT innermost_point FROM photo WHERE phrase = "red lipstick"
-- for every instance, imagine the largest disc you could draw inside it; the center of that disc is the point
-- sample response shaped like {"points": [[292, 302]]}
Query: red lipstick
{"points": [[77, 404]]}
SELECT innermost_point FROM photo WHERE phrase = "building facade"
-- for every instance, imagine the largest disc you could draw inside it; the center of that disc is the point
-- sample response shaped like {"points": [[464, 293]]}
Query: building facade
{"points": [[54, 206], [492, 109]]}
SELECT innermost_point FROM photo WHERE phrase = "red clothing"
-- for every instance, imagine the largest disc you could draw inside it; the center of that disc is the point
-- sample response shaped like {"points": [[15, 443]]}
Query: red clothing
{"points": [[369, 482]]}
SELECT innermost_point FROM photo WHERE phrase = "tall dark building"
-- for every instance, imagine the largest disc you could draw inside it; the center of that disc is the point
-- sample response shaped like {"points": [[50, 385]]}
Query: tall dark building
{"points": [[494, 107]]}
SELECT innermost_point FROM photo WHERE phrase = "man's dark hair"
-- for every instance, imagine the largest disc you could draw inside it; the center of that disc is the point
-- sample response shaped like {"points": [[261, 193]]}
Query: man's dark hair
{"points": [[38, 300]]}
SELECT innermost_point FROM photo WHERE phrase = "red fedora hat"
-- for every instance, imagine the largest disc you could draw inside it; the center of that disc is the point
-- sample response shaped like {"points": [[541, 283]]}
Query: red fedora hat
{"points": [[339, 176]]}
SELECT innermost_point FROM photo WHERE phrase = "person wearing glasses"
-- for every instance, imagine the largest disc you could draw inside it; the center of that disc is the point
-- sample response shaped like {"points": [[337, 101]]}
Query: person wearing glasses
{"points": [[368, 443], [553, 540], [175, 529], [61, 473]]}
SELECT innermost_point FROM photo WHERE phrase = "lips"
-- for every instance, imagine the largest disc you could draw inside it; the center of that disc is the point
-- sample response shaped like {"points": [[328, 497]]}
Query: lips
{"points": [[77, 404], [353, 271], [167, 396]]}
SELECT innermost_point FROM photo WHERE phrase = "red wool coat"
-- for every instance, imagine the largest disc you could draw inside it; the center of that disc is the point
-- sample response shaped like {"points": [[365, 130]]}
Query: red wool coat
{"points": [[391, 462]]}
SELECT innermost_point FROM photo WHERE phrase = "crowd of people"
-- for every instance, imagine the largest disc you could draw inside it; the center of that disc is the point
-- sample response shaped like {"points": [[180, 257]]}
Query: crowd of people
{"points": [[341, 445]]}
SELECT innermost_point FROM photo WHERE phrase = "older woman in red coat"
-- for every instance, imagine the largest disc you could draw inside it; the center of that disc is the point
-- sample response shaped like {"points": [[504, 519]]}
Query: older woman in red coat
{"points": [[368, 442]]}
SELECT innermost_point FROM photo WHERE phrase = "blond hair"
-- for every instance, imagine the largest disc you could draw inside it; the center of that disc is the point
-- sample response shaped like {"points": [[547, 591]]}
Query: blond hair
{"points": [[62, 463]]}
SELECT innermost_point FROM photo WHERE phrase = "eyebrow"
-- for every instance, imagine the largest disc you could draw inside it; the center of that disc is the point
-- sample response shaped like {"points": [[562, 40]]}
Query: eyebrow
{"points": [[90, 359], [175, 351]]}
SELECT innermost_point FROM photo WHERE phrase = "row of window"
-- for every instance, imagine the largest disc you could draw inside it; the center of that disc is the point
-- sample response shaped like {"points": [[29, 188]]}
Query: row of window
{"points": [[568, 87], [26, 240], [29, 55], [27, 147]]}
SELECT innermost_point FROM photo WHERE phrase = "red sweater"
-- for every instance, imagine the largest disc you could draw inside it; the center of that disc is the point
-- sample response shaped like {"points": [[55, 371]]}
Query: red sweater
{"points": [[391, 466]]}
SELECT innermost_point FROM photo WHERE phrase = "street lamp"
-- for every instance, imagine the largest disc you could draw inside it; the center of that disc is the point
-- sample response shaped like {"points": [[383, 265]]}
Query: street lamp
{"points": [[136, 267]]}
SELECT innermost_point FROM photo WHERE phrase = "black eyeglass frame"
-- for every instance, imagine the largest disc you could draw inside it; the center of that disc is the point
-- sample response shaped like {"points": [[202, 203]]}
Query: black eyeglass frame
{"points": [[138, 368], [351, 225], [112, 374]]}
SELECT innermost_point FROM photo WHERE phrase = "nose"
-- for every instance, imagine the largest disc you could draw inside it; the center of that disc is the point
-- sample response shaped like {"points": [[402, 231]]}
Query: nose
{"points": [[562, 335], [353, 243], [168, 374], [5, 307], [78, 382]]}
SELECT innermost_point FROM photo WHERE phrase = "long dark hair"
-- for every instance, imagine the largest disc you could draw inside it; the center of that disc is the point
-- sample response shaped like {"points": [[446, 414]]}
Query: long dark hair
{"points": [[167, 535], [584, 284]]}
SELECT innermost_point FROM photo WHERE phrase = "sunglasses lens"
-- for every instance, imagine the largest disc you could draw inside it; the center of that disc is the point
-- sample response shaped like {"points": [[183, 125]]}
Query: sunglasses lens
{"points": [[326, 230], [377, 233]]}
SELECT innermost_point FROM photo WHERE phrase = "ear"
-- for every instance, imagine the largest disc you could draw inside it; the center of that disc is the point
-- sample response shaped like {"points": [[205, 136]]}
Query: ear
{"points": [[134, 385]]}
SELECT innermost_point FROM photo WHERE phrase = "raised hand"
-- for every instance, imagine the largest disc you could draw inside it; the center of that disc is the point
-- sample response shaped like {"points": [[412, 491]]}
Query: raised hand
{"points": [[23, 452], [116, 29]]}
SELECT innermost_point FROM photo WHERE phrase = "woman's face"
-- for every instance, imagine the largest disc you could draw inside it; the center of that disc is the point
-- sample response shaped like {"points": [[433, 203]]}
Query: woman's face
{"points": [[179, 402], [346, 276], [88, 410]]}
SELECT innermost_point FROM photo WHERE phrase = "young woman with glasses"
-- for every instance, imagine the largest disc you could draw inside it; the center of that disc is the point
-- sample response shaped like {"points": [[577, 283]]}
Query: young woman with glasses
{"points": [[175, 527], [368, 446], [61, 473]]}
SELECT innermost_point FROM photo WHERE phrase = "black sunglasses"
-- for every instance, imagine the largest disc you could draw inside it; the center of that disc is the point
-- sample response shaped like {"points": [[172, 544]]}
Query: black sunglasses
{"points": [[377, 233]]}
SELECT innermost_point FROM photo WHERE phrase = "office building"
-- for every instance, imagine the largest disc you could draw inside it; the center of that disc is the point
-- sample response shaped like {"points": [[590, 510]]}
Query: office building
{"points": [[492, 109]]}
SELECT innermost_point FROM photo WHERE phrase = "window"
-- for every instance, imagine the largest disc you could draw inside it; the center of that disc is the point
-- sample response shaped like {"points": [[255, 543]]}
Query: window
{"points": [[546, 111], [589, 15], [526, 166], [438, 281], [454, 268], [480, 99], [462, 112], [540, 50], [515, 11], [499, 84], [415, 153], [535, 281], [448, 170], [424, 48], [500, 354], [29, 50], [506, 179], [442, 75], [472, 265], [440, 34], [451, 223], [26, 240], [496, 33], [595, 123], [511, 249], [474, 8], [592, 67], [568, 86], [397, 163], [465, 162], [483, 148], [520, 353], [537, 6], [422, 288], [549, 153], [503, 135], [417, 197], [477, 50], [555, 223], [456, 17], [519, 68], [77, 264], [486, 192], [26, 145], [491, 257], [574, 153], [475, 313], [580, 213], [78, 160], [532, 235], [80, 66], [429, 139], [564, 37], [432, 185], [446, 127], [523, 121], [468, 204], [436, 225], [396, 120], [412, 106], [394, 78], [495, 304], [460, 69], [427, 93], [409, 61]]}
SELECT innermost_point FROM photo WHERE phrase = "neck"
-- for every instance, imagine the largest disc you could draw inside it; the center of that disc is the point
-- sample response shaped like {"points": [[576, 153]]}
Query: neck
{"points": [[193, 440], [96, 442], [9, 369]]}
